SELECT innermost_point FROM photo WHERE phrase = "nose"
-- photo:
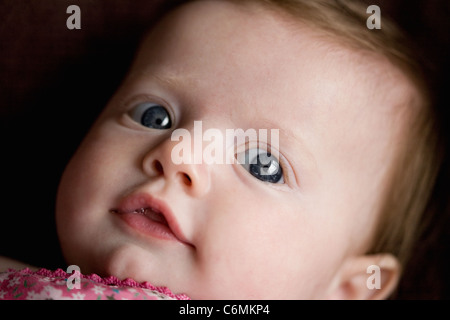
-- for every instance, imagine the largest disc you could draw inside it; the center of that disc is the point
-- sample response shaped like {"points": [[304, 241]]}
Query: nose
{"points": [[192, 177]]}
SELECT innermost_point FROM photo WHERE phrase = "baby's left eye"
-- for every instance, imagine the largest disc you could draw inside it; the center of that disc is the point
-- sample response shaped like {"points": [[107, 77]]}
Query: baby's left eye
{"points": [[151, 115], [262, 165]]}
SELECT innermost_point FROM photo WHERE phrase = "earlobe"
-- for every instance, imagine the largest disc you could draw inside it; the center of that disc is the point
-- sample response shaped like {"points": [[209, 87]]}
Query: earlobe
{"points": [[368, 277]]}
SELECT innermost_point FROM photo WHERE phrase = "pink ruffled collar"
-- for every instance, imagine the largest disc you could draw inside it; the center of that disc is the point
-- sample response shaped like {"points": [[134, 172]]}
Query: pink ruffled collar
{"points": [[111, 280]]}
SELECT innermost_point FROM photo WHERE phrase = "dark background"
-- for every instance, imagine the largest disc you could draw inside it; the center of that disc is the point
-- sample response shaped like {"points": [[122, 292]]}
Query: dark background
{"points": [[55, 81]]}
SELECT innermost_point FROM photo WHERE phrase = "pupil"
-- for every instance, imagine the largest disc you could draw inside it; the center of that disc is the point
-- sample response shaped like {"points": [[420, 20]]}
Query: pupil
{"points": [[156, 117], [261, 169]]}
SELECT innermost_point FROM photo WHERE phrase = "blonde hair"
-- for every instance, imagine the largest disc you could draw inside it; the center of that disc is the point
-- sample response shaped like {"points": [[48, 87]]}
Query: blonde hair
{"points": [[406, 202]]}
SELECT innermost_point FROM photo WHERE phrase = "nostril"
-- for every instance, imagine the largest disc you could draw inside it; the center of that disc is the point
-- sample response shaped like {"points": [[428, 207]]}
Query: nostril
{"points": [[158, 167], [186, 179]]}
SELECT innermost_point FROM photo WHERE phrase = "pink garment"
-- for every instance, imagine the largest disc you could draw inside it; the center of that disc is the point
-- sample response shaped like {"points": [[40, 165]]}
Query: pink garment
{"points": [[58, 285]]}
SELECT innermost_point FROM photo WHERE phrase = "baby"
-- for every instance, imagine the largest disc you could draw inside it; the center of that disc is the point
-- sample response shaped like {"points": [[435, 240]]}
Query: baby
{"points": [[316, 211]]}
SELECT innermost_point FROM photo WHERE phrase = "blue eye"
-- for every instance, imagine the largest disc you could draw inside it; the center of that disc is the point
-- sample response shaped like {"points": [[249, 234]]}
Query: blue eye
{"points": [[262, 165], [151, 115]]}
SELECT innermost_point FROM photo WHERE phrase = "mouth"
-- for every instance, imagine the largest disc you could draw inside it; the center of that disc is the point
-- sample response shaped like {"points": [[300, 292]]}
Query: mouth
{"points": [[149, 217], [150, 213]]}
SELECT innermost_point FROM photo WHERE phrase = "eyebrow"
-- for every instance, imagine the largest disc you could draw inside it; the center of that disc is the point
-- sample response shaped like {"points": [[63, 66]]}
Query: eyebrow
{"points": [[172, 80], [287, 141]]}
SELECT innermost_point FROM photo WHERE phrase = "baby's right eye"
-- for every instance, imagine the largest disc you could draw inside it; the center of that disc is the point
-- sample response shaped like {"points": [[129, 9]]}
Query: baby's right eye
{"points": [[151, 115]]}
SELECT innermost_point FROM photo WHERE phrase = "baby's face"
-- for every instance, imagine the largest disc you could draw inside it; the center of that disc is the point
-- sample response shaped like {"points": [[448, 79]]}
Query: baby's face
{"points": [[126, 208]]}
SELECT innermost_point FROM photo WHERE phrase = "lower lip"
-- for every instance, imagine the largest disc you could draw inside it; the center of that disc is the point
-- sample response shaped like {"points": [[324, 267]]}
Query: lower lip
{"points": [[147, 226]]}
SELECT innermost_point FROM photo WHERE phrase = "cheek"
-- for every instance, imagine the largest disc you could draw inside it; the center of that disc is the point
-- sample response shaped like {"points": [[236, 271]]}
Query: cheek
{"points": [[104, 156], [86, 171], [90, 183], [265, 250]]}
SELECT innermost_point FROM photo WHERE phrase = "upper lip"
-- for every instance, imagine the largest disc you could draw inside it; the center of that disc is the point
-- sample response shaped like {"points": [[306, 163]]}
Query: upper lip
{"points": [[136, 202]]}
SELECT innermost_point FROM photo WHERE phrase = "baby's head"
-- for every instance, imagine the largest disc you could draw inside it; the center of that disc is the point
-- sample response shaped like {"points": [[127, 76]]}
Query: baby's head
{"points": [[339, 186]]}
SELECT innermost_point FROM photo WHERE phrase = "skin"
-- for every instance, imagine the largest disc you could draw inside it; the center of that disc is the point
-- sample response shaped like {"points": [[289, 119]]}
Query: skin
{"points": [[243, 67]]}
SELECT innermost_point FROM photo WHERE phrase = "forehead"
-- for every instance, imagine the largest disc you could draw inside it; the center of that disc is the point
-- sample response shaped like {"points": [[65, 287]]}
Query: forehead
{"points": [[248, 62], [249, 51]]}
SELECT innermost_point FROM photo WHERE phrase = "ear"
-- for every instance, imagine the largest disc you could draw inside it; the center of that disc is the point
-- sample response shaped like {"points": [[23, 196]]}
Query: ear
{"points": [[367, 277]]}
